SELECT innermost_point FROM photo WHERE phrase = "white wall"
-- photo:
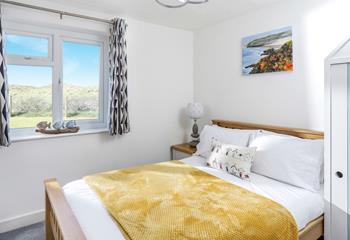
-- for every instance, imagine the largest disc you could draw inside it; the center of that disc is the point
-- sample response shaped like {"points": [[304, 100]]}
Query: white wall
{"points": [[288, 99], [160, 86]]}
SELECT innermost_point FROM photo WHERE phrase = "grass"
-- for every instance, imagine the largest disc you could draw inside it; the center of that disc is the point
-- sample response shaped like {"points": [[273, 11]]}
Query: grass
{"points": [[30, 105]]}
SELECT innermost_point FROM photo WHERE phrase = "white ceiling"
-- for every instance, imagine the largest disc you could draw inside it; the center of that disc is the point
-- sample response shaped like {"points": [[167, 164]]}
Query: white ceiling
{"points": [[189, 17]]}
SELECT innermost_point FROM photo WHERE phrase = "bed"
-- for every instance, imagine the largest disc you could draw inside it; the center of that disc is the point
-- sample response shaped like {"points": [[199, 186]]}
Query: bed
{"points": [[72, 211]]}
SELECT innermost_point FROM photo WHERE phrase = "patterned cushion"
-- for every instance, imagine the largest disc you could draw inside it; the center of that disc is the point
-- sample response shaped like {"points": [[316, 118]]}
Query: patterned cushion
{"points": [[233, 159]]}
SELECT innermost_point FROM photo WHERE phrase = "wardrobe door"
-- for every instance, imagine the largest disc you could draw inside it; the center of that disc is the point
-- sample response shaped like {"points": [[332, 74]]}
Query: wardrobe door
{"points": [[339, 150]]}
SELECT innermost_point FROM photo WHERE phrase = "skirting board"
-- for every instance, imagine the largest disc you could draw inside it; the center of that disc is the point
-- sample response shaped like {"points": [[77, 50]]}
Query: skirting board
{"points": [[21, 221]]}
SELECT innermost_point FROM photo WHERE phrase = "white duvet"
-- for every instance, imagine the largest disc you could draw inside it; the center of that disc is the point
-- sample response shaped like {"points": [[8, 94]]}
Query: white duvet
{"points": [[97, 224]]}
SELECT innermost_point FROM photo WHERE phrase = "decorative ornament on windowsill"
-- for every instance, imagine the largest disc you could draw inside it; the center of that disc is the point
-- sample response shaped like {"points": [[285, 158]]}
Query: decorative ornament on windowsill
{"points": [[194, 111], [58, 127]]}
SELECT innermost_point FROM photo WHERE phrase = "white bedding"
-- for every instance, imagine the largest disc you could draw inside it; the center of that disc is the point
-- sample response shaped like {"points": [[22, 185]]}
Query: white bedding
{"points": [[97, 224]]}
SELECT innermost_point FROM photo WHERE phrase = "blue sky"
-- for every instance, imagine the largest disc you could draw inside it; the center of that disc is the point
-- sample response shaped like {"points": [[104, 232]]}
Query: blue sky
{"points": [[29, 76], [81, 65]]}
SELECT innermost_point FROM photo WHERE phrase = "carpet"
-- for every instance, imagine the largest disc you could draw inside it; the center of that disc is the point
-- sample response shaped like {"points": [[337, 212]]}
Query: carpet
{"points": [[32, 232]]}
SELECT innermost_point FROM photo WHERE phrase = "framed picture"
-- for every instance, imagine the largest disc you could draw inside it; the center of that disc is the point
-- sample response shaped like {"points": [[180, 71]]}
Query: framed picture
{"points": [[268, 52]]}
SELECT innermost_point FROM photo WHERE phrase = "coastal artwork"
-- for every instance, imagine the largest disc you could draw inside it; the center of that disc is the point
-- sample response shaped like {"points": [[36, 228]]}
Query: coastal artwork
{"points": [[268, 52]]}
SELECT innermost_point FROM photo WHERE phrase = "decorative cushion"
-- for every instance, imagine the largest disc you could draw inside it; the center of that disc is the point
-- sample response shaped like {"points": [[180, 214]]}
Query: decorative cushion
{"points": [[233, 159]]}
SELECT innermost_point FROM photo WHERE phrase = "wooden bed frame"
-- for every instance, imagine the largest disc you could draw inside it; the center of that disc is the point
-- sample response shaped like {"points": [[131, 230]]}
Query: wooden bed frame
{"points": [[61, 224]]}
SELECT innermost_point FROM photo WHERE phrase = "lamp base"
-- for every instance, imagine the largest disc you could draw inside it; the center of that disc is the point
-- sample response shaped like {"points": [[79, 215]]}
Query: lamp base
{"points": [[194, 135], [194, 143]]}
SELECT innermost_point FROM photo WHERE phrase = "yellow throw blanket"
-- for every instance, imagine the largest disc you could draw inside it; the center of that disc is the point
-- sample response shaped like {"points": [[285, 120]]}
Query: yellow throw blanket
{"points": [[172, 200]]}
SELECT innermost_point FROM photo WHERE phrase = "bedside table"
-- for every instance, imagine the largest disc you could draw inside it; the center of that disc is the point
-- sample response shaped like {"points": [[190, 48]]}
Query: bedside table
{"points": [[181, 151]]}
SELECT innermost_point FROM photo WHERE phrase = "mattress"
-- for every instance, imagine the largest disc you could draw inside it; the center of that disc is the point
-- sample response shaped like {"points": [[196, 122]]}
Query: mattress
{"points": [[97, 224]]}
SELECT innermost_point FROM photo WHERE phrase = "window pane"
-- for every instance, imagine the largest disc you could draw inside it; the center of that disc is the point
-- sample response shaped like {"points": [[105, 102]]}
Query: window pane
{"points": [[81, 78], [26, 45], [30, 95]]}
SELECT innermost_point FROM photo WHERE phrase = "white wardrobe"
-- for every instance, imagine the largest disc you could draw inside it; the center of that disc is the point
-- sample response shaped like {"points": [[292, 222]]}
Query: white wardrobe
{"points": [[337, 143]]}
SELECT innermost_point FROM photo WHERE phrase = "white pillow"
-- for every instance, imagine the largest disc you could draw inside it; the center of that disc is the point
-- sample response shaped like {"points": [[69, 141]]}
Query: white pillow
{"points": [[259, 132], [232, 159], [226, 135], [292, 160]]}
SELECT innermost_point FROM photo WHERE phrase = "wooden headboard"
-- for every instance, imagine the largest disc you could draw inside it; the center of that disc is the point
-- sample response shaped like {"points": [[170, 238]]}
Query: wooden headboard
{"points": [[301, 133]]}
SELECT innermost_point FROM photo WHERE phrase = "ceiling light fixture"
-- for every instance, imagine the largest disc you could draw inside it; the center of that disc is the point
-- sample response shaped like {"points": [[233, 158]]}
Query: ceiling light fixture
{"points": [[179, 3]]}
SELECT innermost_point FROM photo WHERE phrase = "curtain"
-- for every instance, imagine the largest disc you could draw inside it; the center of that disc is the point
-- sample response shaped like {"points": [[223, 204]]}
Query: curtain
{"points": [[4, 114], [119, 123]]}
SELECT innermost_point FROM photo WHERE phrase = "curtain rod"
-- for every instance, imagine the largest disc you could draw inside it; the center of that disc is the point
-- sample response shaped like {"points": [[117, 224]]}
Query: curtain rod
{"points": [[61, 13]]}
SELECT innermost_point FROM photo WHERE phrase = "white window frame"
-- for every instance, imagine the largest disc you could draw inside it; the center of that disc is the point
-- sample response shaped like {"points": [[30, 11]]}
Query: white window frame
{"points": [[56, 37], [23, 59]]}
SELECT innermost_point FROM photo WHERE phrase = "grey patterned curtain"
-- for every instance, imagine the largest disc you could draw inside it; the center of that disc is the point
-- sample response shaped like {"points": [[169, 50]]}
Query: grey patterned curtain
{"points": [[4, 114], [118, 76]]}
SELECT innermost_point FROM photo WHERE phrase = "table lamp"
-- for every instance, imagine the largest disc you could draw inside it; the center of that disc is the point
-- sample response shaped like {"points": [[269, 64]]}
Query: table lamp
{"points": [[194, 111]]}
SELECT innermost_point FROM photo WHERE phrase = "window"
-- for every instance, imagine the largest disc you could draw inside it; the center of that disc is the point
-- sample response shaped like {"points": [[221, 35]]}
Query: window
{"points": [[30, 95], [55, 75], [28, 46], [81, 74]]}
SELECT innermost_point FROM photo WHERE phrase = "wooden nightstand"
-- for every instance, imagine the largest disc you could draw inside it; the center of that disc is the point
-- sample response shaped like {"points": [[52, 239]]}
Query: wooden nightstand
{"points": [[181, 151]]}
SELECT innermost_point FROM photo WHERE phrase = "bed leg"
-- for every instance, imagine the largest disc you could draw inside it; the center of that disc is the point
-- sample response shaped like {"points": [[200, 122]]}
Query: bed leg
{"points": [[48, 228]]}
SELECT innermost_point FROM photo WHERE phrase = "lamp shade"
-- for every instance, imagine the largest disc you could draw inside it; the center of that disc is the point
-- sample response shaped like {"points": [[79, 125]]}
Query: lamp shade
{"points": [[195, 110]]}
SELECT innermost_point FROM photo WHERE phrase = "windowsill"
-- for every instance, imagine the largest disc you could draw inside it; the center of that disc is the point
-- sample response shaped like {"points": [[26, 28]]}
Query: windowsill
{"points": [[40, 136]]}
